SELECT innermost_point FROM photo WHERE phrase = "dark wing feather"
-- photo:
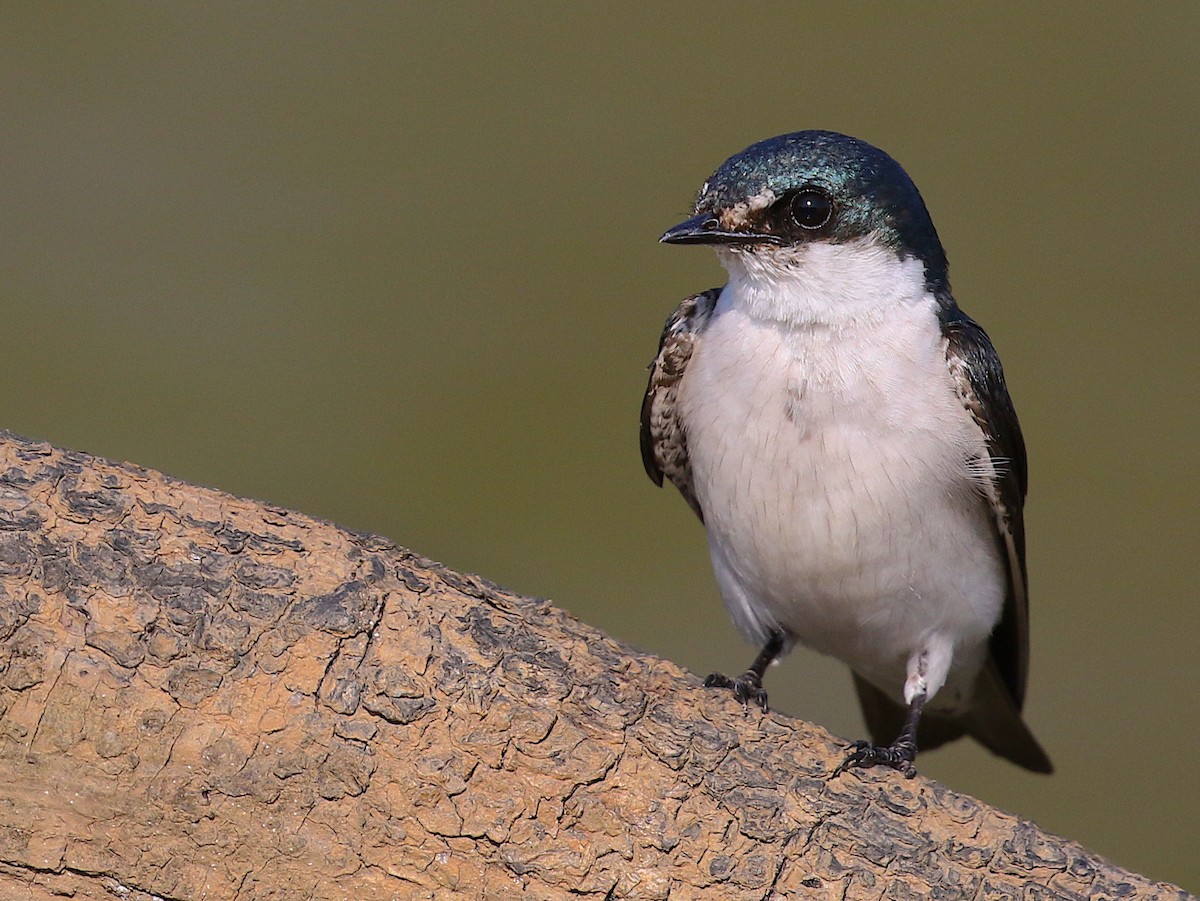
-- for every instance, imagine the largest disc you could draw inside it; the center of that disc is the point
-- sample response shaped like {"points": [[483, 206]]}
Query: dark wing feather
{"points": [[664, 442], [979, 379]]}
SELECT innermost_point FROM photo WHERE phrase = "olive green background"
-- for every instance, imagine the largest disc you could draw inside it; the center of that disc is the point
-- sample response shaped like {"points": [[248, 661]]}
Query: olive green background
{"points": [[396, 265]]}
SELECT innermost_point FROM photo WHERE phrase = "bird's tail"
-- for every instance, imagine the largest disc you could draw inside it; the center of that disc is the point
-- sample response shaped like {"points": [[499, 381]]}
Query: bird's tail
{"points": [[995, 722]]}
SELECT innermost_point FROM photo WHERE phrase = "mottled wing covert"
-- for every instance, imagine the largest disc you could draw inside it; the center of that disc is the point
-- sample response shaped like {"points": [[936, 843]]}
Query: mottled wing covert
{"points": [[979, 380], [664, 438]]}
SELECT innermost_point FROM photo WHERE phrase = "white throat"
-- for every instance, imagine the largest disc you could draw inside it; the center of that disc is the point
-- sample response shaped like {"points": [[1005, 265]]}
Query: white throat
{"points": [[823, 283]]}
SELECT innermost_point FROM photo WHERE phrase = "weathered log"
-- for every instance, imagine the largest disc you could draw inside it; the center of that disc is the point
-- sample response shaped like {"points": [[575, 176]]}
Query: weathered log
{"points": [[207, 697]]}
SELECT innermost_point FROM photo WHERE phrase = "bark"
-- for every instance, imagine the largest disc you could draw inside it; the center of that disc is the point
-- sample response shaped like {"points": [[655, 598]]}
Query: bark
{"points": [[207, 697]]}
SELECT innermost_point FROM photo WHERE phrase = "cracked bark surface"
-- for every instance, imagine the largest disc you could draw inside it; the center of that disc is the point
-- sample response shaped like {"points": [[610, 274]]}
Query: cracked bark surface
{"points": [[202, 696]]}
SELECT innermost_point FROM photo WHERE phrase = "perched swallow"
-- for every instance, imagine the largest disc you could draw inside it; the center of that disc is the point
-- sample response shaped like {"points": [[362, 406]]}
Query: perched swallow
{"points": [[844, 432]]}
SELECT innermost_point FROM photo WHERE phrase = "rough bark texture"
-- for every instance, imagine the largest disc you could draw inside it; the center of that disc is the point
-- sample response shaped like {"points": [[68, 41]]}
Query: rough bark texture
{"points": [[206, 697]]}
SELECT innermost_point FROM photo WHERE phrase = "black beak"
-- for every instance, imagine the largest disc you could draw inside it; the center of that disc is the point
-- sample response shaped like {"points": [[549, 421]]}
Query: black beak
{"points": [[706, 229]]}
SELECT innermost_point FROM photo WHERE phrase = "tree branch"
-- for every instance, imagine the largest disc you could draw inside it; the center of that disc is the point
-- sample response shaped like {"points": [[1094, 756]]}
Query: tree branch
{"points": [[206, 697]]}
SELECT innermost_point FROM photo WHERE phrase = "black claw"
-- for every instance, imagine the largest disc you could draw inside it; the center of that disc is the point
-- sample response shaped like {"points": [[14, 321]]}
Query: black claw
{"points": [[746, 688], [899, 756]]}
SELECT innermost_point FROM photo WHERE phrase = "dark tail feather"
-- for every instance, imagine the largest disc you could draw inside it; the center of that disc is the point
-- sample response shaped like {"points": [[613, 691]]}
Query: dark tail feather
{"points": [[994, 721]]}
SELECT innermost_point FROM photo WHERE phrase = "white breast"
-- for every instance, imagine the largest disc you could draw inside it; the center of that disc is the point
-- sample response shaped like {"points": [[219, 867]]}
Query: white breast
{"points": [[833, 462]]}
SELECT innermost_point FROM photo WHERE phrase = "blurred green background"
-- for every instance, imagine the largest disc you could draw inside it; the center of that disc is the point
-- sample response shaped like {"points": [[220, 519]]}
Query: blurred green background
{"points": [[396, 265]]}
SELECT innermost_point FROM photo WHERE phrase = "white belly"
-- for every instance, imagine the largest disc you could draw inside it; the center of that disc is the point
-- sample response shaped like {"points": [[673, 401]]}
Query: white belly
{"points": [[832, 464]]}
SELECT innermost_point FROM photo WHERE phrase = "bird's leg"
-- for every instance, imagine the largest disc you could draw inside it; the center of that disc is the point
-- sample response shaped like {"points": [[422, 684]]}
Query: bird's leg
{"points": [[748, 686], [899, 755]]}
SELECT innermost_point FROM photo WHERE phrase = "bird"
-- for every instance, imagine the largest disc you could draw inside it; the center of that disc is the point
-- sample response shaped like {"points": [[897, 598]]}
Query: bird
{"points": [[844, 432]]}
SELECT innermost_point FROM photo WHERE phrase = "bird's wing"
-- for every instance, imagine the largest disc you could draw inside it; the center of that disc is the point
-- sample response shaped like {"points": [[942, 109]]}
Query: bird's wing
{"points": [[979, 381], [995, 717], [664, 439]]}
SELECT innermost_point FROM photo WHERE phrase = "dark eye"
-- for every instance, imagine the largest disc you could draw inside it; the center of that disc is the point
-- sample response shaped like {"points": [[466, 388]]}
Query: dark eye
{"points": [[811, 209]]}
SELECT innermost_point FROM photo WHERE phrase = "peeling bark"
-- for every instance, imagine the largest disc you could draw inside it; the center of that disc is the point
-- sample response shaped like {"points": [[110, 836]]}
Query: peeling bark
{"points": [[207, 697]]}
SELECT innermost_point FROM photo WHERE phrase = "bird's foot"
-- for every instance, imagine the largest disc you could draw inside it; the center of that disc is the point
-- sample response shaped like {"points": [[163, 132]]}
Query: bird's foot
{"points": [[746, 688], [898, 755]]}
